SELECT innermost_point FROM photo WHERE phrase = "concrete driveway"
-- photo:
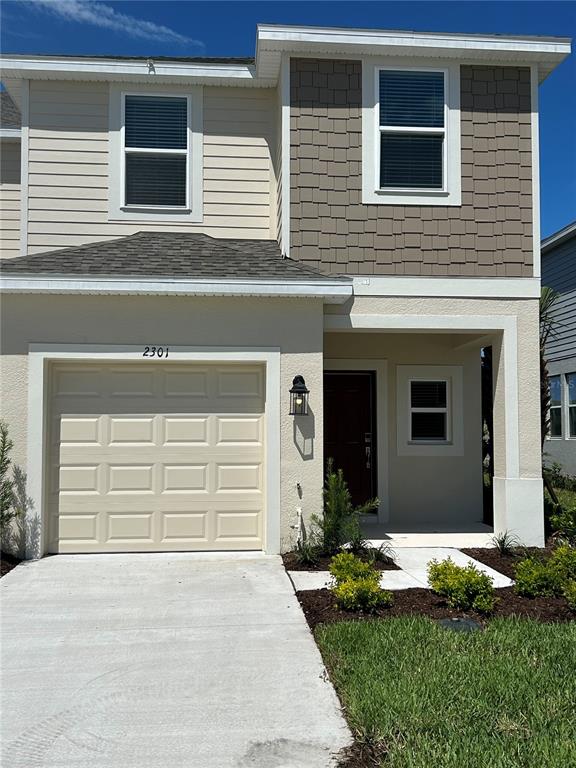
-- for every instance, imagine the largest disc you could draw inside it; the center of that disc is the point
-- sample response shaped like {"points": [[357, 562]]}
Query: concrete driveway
{"points": [[161, 660]]}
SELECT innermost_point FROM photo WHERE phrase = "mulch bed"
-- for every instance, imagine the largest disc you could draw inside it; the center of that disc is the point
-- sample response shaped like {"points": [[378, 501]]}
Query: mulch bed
{"points": [[504, 564], [291, 563], [7, 562], [320, 607]]}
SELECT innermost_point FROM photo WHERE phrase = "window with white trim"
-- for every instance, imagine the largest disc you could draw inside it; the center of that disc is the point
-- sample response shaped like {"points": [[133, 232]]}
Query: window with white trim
{"points": [[156, 151], [555, 406], [571, 396], [411, 140], [428, 408], [412, 126]]}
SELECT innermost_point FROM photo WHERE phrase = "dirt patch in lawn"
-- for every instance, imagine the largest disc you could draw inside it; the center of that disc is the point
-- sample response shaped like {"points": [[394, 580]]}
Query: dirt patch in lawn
{"points": [[505, 564], [320, 607], [7, 562], [291, 563]]}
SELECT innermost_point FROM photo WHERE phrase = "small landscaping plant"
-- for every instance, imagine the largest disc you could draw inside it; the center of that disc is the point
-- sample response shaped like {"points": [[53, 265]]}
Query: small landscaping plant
{"points": [[570, 594], [463, 587], [536, 577], [563, 523], [7, 484], [506, 543], [357, 584]]}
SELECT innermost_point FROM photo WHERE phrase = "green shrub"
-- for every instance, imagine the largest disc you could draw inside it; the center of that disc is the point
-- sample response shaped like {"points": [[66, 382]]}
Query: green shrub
{"points": [[347, 567], [463, 587], [363, 594], [506, 543], [536, 577], [569, 593], [7, 484], [340, 521], [563, 523]]}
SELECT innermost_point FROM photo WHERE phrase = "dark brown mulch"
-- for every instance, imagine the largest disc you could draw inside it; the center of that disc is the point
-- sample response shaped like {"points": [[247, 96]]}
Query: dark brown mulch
{"points": [[291, 563], [320, 607], [504, 563], [7, 562]]}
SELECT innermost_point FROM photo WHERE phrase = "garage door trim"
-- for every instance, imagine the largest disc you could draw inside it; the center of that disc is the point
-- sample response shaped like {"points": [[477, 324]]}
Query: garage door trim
{"points": [[42, 355]]}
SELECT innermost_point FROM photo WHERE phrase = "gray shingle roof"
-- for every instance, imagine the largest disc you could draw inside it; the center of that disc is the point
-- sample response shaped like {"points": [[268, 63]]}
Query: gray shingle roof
{"points": [[168, 254], [9, 113]]}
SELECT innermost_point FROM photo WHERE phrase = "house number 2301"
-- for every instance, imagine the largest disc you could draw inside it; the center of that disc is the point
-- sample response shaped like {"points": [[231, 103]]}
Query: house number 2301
{"points": [[155, 352]]}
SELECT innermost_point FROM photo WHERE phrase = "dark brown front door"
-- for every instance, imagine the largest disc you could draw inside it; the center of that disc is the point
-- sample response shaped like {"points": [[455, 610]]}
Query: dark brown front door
{"points": [[350, 429]]}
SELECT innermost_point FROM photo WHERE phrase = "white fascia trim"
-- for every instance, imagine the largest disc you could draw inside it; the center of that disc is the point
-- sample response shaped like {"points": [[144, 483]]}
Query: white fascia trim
{"points": [[331, 291], [40, 355], [534, 133], [120, 70], [505, 324], [24, 178], [450, 287], [10, 134]]}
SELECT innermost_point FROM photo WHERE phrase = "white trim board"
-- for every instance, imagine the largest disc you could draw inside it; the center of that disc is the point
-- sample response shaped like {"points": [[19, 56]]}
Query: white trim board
{"points": [[333, 292], [380, 366], [450, 287], [24, 179], [40, 355]]}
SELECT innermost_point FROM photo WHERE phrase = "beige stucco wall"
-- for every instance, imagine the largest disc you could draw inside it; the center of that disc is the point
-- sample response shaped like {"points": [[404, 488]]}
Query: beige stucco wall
{"points": [[424, 489], [69, 157], [9, 199], [295, 326], [528, 373]]}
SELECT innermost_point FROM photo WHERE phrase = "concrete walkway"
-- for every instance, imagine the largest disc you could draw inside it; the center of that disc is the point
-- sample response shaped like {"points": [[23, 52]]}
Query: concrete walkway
{"points": [[414, 564], [139, 661]]}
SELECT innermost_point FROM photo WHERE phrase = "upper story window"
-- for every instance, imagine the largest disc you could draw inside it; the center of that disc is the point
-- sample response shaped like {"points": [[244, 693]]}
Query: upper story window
{"points": [[156, 162], [571, 395], [410, 135], [412, 129], [156, 151]]}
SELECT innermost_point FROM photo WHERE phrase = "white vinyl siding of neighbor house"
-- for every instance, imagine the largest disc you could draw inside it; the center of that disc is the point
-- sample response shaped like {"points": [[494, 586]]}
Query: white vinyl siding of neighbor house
{"points": [[68, 166], [559, 273], [10, 199]]}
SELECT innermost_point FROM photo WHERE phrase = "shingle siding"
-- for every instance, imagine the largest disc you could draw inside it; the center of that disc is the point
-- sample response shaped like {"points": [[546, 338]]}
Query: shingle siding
{"points": [[490, 234]]}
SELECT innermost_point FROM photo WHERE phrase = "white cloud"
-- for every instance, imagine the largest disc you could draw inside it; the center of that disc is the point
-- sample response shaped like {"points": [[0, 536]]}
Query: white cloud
{"points": [[102, 15]]}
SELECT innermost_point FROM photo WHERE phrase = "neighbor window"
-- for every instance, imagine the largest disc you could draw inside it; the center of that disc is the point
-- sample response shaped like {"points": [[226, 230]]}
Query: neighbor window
{"points": [[156, 149], [428, 411], [571, 387], [412, 129], [555, 406]]}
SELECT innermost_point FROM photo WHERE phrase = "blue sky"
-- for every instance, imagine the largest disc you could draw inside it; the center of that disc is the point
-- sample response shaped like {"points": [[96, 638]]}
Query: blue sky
{"points": [[228, 29]]}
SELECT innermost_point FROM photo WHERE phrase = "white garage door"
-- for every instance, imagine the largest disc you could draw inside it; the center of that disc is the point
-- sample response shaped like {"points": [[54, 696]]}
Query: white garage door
{"points": [[156, 457]]}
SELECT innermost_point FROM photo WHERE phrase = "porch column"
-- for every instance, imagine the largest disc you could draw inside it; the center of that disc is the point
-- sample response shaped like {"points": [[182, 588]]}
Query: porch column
{"points": [[518, 490]]}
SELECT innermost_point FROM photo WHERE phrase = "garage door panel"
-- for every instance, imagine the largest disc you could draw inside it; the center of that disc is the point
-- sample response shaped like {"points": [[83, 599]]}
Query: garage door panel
{"points": [[161, 457]]}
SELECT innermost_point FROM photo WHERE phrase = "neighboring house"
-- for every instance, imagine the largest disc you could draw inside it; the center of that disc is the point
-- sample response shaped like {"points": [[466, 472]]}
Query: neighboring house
{"points": [[354, 208], [9, 176], [559, 273]]}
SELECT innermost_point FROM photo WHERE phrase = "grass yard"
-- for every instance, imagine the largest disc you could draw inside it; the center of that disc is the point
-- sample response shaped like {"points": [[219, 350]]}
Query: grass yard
{"points": [[566, 498], [504, 697]]}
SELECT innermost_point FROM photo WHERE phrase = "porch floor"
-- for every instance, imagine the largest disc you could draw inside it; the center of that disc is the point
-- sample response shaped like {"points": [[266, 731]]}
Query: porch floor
{"points": [[476, 535]]}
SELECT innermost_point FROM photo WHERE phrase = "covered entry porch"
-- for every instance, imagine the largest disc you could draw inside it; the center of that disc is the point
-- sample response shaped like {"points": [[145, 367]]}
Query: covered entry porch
{"points": [[403, 418]]}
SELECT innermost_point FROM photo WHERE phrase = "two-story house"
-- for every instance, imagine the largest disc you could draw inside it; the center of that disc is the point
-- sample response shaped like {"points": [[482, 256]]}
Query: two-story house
{"points": [[559, 273], [232, 270]]}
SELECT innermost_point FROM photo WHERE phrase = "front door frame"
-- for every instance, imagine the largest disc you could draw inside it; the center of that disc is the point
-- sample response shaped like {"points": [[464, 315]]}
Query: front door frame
{"points": [[380, 369]]}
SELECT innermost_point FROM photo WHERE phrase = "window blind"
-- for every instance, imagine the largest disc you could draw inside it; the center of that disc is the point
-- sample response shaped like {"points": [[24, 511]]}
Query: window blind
{"points": [[428, 394], [414, 99], [156, 122], [156, 180], [411, 160], [428, 426]]}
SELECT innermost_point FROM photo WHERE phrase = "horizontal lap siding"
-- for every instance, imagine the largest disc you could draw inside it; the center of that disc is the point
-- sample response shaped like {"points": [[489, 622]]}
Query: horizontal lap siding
{"points": [[68, 166], [10, 199], [559, 273], [490, 234]]}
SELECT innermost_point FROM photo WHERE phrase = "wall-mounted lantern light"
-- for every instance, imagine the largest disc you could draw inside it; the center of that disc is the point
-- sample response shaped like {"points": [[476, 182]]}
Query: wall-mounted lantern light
{"points": [[299, 397]]}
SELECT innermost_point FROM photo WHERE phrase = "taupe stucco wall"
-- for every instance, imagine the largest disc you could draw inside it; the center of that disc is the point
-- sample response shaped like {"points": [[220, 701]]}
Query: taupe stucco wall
{"points": [[293, 325], [490, 234]]}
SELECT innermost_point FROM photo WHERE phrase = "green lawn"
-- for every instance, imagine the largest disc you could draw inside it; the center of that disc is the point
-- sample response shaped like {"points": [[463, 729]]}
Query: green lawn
{"points": [[501, 698], [566, 498]]}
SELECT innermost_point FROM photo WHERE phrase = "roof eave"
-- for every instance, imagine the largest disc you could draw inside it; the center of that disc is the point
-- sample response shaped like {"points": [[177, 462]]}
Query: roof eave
{"points": [[330, 291], [558, 238]]}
